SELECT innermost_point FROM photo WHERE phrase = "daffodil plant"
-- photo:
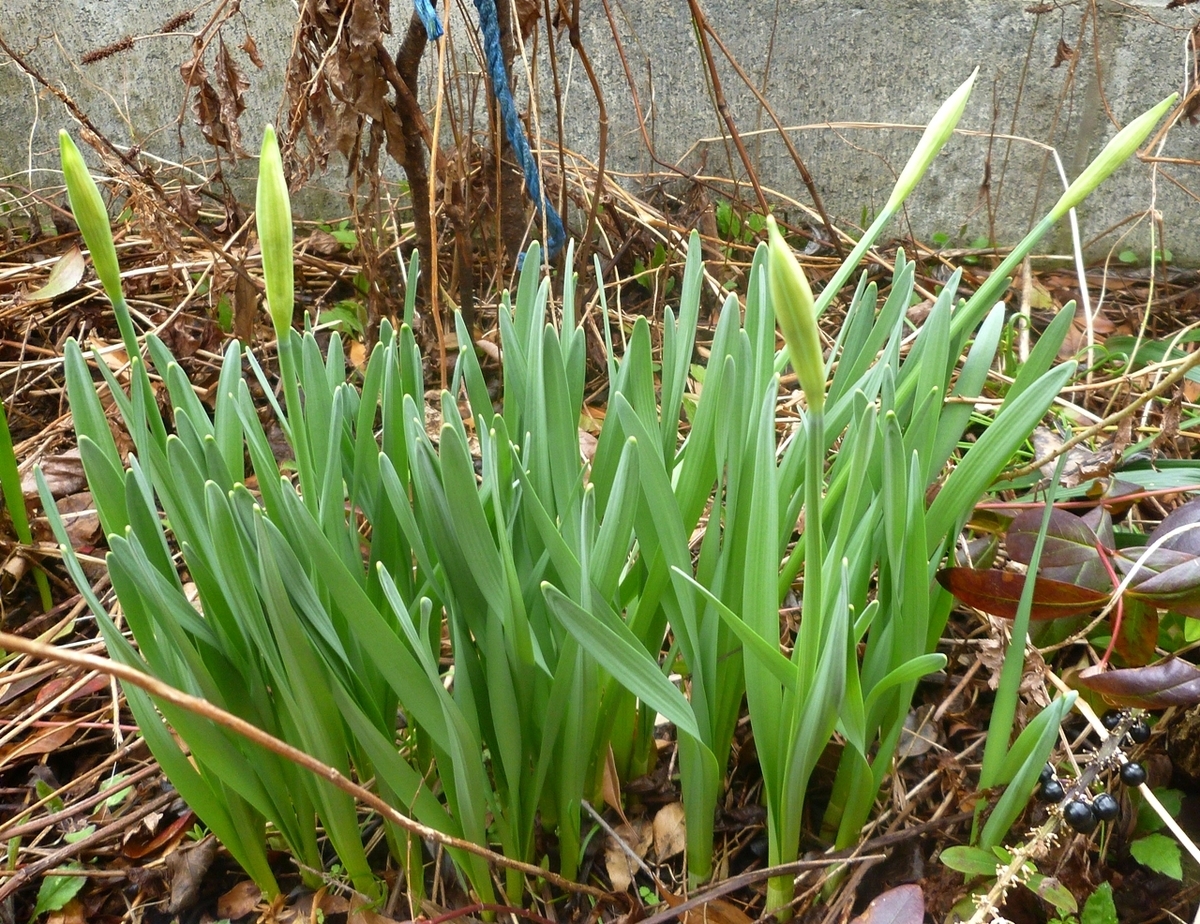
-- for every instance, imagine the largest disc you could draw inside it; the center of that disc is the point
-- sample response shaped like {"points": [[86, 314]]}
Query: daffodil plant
{"points": [[322, 595]]}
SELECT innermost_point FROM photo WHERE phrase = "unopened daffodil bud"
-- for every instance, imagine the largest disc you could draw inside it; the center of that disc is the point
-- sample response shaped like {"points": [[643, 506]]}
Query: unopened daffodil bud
{"points": [[937, 133], [91, 216], [273, 213], [795, 310], [1126, 141]]}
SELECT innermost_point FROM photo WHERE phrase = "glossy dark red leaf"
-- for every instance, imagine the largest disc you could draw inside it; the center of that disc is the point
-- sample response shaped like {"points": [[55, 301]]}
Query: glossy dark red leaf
{"points": [[1138, 637], [1091, 574], [1184, 515], [1099, 521], [1171, 682], [1167, 578], [1158, 561], [1177, 579], [1069, 541], [999, 593]]}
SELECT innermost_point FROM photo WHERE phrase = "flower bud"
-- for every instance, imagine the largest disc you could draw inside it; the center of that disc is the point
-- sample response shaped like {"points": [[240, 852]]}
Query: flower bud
{"points": [[937, 133], [1115, 153], [794, 307], [91, 216], [273, 214]]}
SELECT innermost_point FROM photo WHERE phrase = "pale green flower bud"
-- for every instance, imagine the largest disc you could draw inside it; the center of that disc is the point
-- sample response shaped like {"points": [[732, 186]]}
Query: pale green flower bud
{"points": [[273, 214], [91, 216], [937, 133], [795, 310], [1127, 140]]}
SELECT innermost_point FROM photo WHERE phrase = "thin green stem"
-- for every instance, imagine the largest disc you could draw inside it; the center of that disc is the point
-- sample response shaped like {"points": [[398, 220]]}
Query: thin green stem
{"points": [[294, 408], [849, 265], [812, 628], [14, 499], [805, 653], [1004, 707]]}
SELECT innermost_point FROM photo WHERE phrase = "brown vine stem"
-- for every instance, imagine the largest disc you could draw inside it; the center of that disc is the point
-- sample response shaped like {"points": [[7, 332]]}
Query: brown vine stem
{"points": [[805, 176], [1114, 418], [205, 709], [576, 40], [129, 161], [702, 30], [634, 98]]}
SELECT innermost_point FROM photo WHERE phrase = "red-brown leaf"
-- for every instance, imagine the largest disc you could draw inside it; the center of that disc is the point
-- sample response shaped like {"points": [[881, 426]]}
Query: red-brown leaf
{"points": [[999, 593], [1138, 637], [1171, 682]]}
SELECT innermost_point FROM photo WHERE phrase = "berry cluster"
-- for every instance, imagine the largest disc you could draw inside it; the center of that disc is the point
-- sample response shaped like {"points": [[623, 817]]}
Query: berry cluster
{"points": [[1139, 731], [1080, 812]]}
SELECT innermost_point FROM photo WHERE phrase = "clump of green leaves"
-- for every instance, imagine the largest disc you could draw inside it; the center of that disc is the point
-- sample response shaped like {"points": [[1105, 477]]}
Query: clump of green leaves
{"points": [[1151, 848], [980, 866], [651, 277], [14, 501], [736, 227], [329, 593]]}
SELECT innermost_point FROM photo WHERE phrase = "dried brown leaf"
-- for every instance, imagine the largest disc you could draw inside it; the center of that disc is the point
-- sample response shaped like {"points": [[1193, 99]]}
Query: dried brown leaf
{"points": [[231, 95], [52, 688], [63, 473], [186, 868], [187, 204], [41, 741], [161, 837], [80, 518], [670, 831], [70, 913], [239, 901], [303, 910], [717, 911], [638, 837], [64, 276], [323, 244], [611, 786], [918, 735], [1062, 53], [251, 48]]}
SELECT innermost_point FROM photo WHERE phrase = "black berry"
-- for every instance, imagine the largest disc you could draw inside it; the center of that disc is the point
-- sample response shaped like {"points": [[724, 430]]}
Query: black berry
{"points": [[1133, 774], [1079, 816], [1105, 807], [1051, 791], [1140, 732], [1111, 719], [1047, 774]]}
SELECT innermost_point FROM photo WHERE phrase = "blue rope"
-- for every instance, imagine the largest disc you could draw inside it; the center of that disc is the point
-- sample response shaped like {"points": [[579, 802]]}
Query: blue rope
{"points": [[429, 19], [489, 27]]}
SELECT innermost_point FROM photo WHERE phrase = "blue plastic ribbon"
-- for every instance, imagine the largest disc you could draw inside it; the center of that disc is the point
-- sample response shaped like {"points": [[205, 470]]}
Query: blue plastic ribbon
{"points": [[427, 13]]}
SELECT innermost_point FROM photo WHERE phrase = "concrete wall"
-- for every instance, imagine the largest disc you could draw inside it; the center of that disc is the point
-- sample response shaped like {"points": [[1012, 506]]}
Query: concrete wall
{"points": [[830, 61]]}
